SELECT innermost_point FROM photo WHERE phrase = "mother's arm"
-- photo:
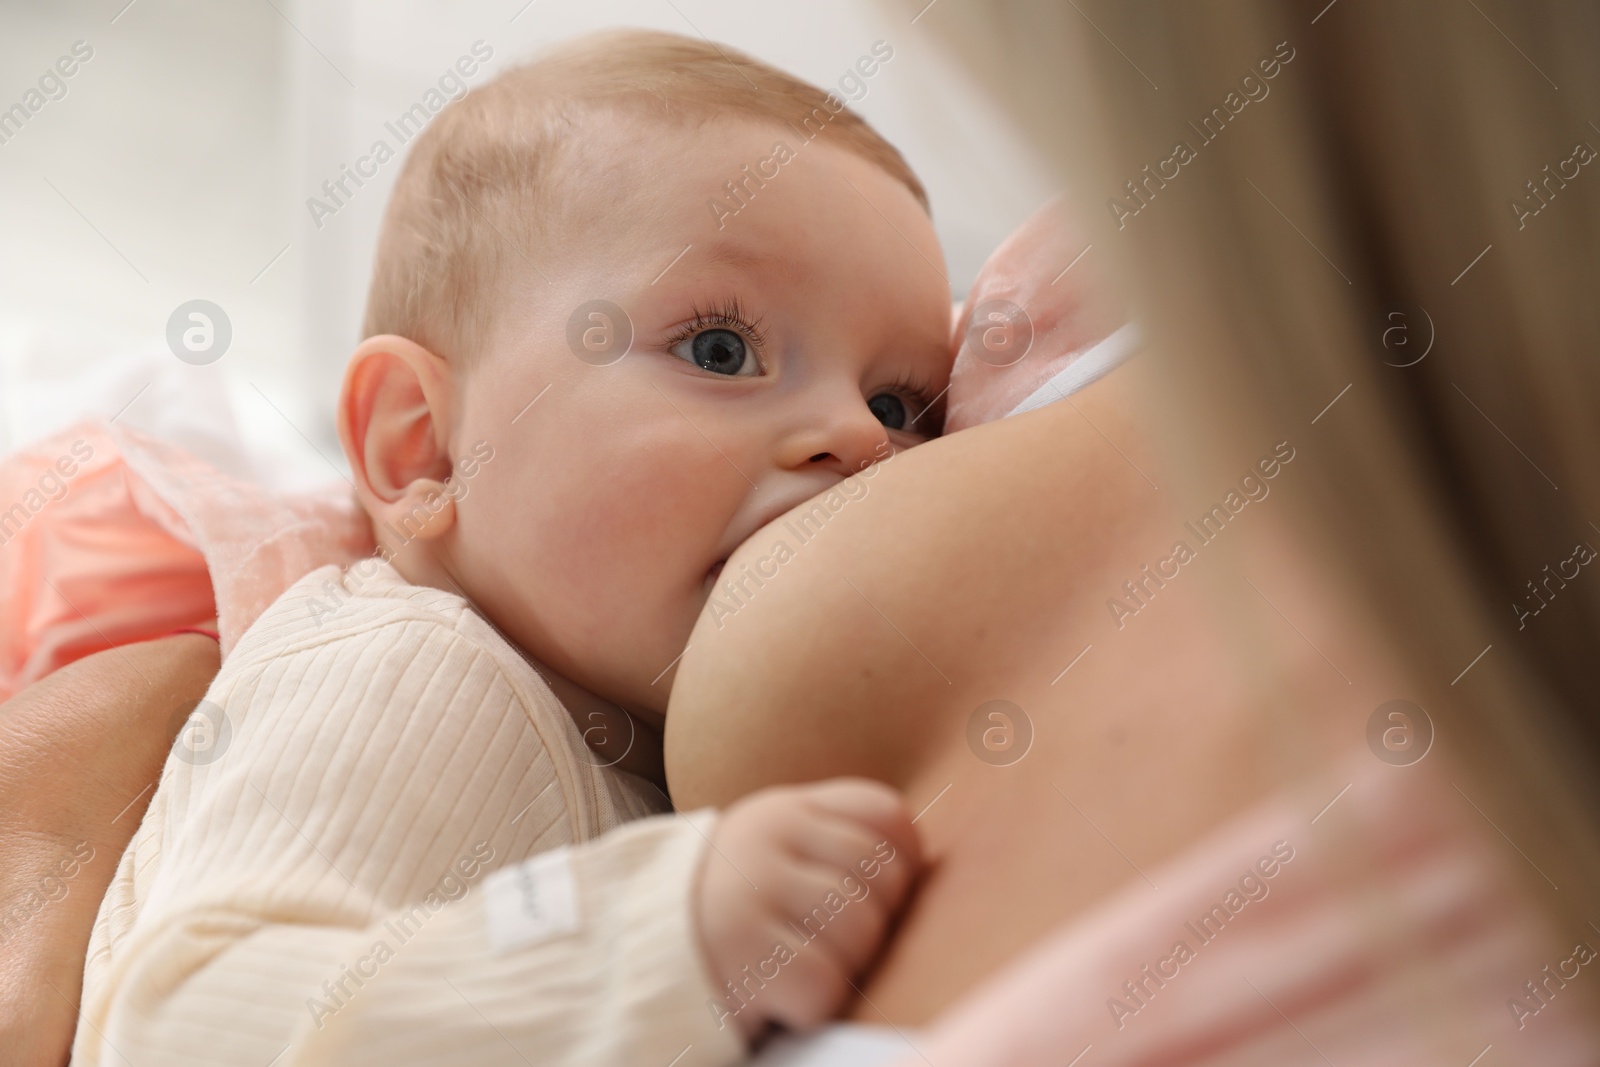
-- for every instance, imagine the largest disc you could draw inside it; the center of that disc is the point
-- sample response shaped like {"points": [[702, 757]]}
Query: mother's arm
{"points": [[80, 753]]}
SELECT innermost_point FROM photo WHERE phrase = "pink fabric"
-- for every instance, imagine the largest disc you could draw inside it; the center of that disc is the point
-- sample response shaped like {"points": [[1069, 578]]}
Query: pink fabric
{"points": [[1040, 294], [108, 537], [1396, 937]]}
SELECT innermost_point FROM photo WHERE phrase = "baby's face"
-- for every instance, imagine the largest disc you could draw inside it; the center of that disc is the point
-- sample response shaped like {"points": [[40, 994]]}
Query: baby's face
{"points": [[772, 356]]}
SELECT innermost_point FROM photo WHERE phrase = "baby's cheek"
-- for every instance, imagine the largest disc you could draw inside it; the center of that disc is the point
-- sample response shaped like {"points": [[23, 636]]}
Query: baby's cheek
{"points": [[638, 560], [663, 512], [634, 531], [599, 529]]}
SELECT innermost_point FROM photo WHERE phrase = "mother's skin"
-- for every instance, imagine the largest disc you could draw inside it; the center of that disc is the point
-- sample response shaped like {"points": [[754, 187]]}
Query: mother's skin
{"points": [[79, 754], [978, 567]]}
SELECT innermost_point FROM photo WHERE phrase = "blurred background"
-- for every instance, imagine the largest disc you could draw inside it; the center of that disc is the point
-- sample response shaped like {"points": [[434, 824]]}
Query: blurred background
{"points": [[178, 162]]}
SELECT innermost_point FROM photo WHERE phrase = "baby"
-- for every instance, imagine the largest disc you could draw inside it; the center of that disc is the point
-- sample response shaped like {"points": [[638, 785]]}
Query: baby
{"points": [[630, 303]]}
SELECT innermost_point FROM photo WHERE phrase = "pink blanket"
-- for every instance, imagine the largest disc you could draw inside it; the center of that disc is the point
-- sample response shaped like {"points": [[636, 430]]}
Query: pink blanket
{"points": [[108, 537]]}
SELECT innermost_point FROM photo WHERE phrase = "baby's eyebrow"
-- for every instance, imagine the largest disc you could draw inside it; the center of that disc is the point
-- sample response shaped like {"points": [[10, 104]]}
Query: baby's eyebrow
{"points": [[734, 255]]}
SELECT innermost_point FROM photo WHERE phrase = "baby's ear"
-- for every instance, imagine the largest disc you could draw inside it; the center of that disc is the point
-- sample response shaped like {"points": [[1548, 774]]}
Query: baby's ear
{"points": [[394, 423]]}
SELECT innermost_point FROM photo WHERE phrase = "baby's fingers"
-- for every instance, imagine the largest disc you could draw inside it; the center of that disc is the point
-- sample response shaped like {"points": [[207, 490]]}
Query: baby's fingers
{"points": [[876, 810], [830, 937]]}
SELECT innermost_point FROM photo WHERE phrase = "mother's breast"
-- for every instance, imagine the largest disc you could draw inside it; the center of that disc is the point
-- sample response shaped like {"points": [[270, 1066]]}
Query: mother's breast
{"points": [[901, 608]]}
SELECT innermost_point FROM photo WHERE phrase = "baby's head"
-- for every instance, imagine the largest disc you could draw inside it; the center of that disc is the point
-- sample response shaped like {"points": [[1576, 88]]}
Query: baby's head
{"points": [[630, 303]]}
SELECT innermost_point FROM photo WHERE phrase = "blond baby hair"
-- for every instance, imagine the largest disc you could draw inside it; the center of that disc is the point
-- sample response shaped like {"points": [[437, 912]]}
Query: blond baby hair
{"points": [[483, 180]]}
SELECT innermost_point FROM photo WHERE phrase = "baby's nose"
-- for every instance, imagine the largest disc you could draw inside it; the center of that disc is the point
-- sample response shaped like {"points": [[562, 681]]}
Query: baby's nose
{"points": [[847, 442]]}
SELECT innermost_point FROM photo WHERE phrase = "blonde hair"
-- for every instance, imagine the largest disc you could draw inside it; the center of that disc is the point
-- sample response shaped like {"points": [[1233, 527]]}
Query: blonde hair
{"points": [[488, 179], [1410, 159]]}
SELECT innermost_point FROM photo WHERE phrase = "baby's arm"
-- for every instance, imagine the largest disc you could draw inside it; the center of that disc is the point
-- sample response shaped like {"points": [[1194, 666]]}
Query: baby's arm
{"points": [[585, 955], [603, 953], [622, 978]]}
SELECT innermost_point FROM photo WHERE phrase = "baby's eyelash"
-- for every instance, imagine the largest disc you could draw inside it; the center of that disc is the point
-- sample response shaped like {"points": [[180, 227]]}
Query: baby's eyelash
{"points": [[918, 387], [727, 315]]}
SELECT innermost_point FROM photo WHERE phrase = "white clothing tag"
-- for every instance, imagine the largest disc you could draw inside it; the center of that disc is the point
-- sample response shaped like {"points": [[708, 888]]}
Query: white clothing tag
{"points": [[531, 902]]}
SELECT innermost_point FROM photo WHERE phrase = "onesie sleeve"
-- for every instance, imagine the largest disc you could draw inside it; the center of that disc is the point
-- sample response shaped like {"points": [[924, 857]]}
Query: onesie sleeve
{"points": [[585, 955], [581, 955]]}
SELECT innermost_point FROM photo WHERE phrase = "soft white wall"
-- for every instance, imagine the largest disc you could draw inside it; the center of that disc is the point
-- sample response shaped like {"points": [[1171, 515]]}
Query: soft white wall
{"points": [[193, 138], [171, 143]]}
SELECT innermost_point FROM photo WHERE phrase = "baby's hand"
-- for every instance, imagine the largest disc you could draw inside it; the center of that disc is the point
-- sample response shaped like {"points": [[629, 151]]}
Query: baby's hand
{"points": [[796, 894]]}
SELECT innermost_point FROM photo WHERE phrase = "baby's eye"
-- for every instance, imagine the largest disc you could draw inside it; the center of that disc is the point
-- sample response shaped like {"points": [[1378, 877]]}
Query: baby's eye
{"points": [[889, 410], [718, 351]]}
